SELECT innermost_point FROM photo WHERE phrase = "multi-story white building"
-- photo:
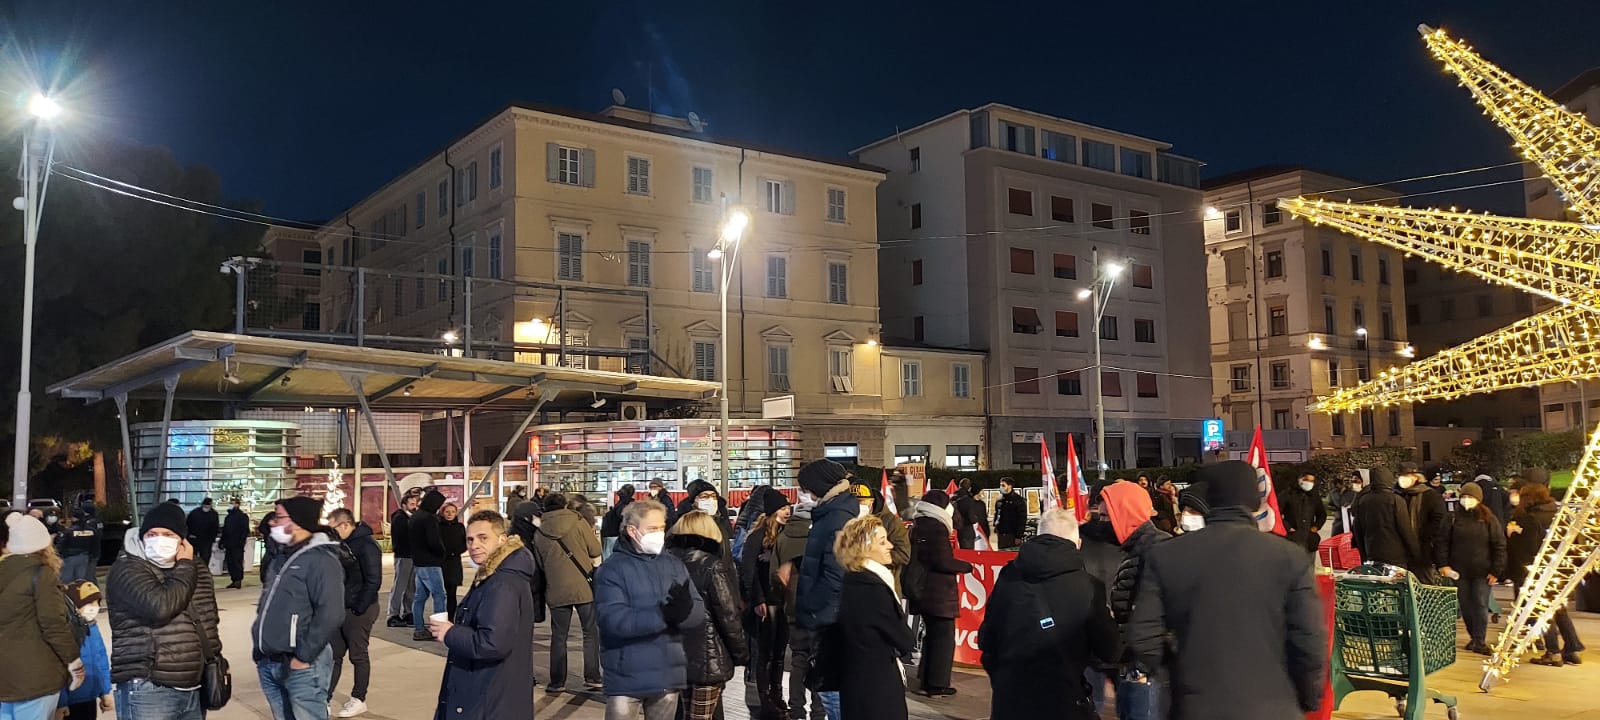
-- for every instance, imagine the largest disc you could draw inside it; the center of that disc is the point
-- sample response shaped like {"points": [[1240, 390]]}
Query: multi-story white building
{"points": [[1297, 310], [988, 223]]}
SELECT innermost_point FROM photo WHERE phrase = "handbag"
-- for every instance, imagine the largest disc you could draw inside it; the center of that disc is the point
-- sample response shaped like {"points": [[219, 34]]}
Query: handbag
{"points": [[216, 682]]}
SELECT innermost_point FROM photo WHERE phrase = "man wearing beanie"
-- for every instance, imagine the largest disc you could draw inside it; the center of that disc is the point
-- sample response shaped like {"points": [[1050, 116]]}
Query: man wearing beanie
{"points": [[1382, 530], [302, 606], [160, 601], [821, 575], [1243, 608]]}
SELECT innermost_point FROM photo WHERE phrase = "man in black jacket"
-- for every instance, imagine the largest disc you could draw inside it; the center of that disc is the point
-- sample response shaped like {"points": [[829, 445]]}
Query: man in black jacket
{"points": [[1494, 497], [78, 544], [1010, 516], [1140, 691], [1039, 661], [1381, 530], [405, 574], [361, 609], [235, 536], [1304, 512], [427, 557], [969, 511], [301, 609], [1425, 505], [203, 528], [1243, 608]]}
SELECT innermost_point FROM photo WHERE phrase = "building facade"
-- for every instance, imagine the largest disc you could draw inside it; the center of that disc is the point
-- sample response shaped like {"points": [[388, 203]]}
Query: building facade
{"points": [[1572, 405], [551, 235], [989, 223], [1298, 310]]}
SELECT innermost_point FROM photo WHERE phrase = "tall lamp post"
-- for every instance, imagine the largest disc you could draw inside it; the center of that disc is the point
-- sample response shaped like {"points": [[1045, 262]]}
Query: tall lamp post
{"points": [[735, 220], [1098, 292], [38, 151]]}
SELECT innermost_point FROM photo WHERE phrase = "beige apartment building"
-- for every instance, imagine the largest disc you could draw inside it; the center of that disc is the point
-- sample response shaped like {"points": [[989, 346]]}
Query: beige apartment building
{"points": [[1297, 310], [604, 222], [1573, 405], [990, 221]]}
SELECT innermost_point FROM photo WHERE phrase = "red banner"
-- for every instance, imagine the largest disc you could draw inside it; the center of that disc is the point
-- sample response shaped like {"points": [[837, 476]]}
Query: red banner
{"points": [[1325, 591], [975, 588]]}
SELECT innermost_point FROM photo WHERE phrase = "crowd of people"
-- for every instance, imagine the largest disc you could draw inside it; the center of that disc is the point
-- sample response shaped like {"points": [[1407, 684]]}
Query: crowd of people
{"points": [[833, 605]]}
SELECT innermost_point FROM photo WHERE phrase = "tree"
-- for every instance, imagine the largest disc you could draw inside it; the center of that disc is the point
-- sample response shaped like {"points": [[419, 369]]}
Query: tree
{"points": [[113, 274]]}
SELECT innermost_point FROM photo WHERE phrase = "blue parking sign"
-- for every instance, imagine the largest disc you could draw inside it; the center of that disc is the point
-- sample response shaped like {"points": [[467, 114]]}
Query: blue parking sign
{"points": [[1211, 434]]}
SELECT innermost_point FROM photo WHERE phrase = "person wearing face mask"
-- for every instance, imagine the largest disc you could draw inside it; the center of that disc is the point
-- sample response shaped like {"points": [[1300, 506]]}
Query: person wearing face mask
{"points": [[235, 534], [930, 587], [160, 601], [361, 608], [1472, 551], [1343, 501], [658, 492], [488, 663], [1304, 513], [714, 649], [1382, 530], [1427, 510], [39, 650], [821, 575], [645, 601], [301, 609], [1030, 666], [1192, 508], [204, 526], [788, 550], [94, 695], [703, 497], [567, 549]]}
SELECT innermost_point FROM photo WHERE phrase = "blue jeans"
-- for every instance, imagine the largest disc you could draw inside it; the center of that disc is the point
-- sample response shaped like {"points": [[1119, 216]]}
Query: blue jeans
{"points": [[430, 581], [1140, 701], [297, 694], [141, 699], [77, 567], [830, 704], [39, 708]]}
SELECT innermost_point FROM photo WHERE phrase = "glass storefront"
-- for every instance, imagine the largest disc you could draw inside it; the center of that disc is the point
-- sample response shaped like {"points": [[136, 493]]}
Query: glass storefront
{"points": [[597, 458], [249, 459]]}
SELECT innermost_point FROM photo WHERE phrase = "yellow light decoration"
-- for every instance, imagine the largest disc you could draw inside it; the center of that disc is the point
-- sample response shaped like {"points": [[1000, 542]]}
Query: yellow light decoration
{"points": [[1555, 260]]}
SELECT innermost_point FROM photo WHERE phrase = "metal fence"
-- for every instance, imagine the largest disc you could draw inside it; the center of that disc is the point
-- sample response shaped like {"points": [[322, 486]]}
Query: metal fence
{"points": [[435, 312]]}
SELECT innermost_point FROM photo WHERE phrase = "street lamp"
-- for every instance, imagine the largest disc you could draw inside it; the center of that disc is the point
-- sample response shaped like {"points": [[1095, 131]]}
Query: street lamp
{"points": [[1099, 290], [735, 220], [38, 152]]}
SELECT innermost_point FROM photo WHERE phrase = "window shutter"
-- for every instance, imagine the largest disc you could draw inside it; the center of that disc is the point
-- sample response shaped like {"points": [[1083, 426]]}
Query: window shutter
{"points": [[766, 201], [586, 169], [788, 198], [552, 162]]}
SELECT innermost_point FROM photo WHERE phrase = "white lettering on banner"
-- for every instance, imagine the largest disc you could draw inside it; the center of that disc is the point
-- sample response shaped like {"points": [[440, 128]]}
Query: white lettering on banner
{"points": [[975, 588]]}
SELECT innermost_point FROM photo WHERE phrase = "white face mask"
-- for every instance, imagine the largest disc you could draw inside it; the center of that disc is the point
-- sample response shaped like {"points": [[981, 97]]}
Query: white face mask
{"points": [[1192, 523], [864, 510], [1307, 486], [89, 613], [708, 507], [651, 543], [282, 535], [1406, 481], [1469, 502], [163, 551], [1355, 487]]}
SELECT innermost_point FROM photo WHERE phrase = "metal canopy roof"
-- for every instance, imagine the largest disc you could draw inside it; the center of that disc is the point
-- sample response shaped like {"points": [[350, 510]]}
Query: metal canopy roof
{"points": [[267, 372]]}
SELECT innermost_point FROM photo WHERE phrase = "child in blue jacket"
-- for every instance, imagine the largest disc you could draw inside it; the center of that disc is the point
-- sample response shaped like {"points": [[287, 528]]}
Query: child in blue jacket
{"points": [[94, 695]]}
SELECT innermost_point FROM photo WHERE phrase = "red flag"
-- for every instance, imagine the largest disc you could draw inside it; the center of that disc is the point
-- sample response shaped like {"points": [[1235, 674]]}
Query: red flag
{"points": [[1268, 518], [888, 494], [951, 489], [1052, 493], [1078, 489]]}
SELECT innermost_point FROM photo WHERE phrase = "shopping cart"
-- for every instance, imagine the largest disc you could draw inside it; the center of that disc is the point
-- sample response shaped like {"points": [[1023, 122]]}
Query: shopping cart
{"points": [[1389, 633]]}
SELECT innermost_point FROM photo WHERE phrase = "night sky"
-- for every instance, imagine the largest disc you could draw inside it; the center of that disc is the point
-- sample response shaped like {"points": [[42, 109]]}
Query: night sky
{"points": [[309, 106]]}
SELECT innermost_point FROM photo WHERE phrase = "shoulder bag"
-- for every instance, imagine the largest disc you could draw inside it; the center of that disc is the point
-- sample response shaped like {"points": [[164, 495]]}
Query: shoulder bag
{"points": [[216, 682]]}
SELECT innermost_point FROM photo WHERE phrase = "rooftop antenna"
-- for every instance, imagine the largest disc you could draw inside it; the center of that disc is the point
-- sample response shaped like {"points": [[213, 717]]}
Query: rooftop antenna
{"points": [[617, 97], [696, 123]]}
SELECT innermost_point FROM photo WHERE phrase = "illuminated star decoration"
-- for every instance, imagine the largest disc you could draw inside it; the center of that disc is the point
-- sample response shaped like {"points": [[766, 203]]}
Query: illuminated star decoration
{"points": [[1556, 260]]}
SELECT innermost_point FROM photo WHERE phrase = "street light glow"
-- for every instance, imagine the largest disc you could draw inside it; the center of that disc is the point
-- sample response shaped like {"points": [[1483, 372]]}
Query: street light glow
{"points": [[1212, 213], [714, 253], [1408, 351], [1317, 344], [733, 227], [1114, 269], [1361, 331], [43, 107], [449, 337], [1084, 294]]}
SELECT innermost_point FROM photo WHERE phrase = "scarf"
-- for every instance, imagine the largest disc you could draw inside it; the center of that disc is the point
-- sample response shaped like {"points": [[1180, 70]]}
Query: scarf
{"points": [[928, 509], [883, 574]]}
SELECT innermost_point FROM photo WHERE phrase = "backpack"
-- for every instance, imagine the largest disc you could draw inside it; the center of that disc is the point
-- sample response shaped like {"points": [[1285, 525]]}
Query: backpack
{"points": [[1028, 632]]}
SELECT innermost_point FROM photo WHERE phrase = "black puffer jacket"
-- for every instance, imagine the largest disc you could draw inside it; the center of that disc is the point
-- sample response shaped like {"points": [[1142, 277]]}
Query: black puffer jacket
{"points": [[1472, 545], [368, 570], [151, 636], [1382, 530], [1126, 585], [714, 648], [1428, 514]]}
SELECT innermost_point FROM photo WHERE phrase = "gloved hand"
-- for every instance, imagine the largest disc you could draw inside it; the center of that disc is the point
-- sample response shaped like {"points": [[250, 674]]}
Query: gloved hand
{"points": [[676, 608], [79, 674]]}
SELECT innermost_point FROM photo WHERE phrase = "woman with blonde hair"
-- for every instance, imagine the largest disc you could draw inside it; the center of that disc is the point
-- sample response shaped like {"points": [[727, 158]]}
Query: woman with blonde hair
{"points": [[714, 648], [41, 649], [871, 636]]}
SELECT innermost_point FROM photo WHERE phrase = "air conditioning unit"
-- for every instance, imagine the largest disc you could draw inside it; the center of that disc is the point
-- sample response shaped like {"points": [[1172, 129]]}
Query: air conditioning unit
{"points": [[633, 411]]}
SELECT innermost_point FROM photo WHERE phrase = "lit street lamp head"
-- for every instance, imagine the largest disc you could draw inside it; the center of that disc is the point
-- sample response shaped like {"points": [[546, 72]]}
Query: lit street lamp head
{"points": [[1084, 294], [714, 253], [734, 225], [449, 337], [43, 107], [1114, 269], [1361, 331]]}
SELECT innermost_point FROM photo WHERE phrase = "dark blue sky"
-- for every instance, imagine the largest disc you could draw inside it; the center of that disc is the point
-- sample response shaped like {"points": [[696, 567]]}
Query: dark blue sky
{"points": [[308, 106]]}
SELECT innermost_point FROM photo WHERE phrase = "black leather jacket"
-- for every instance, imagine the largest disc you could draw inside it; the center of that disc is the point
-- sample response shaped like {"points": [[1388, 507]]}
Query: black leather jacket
{"points": [[716, 647]]}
